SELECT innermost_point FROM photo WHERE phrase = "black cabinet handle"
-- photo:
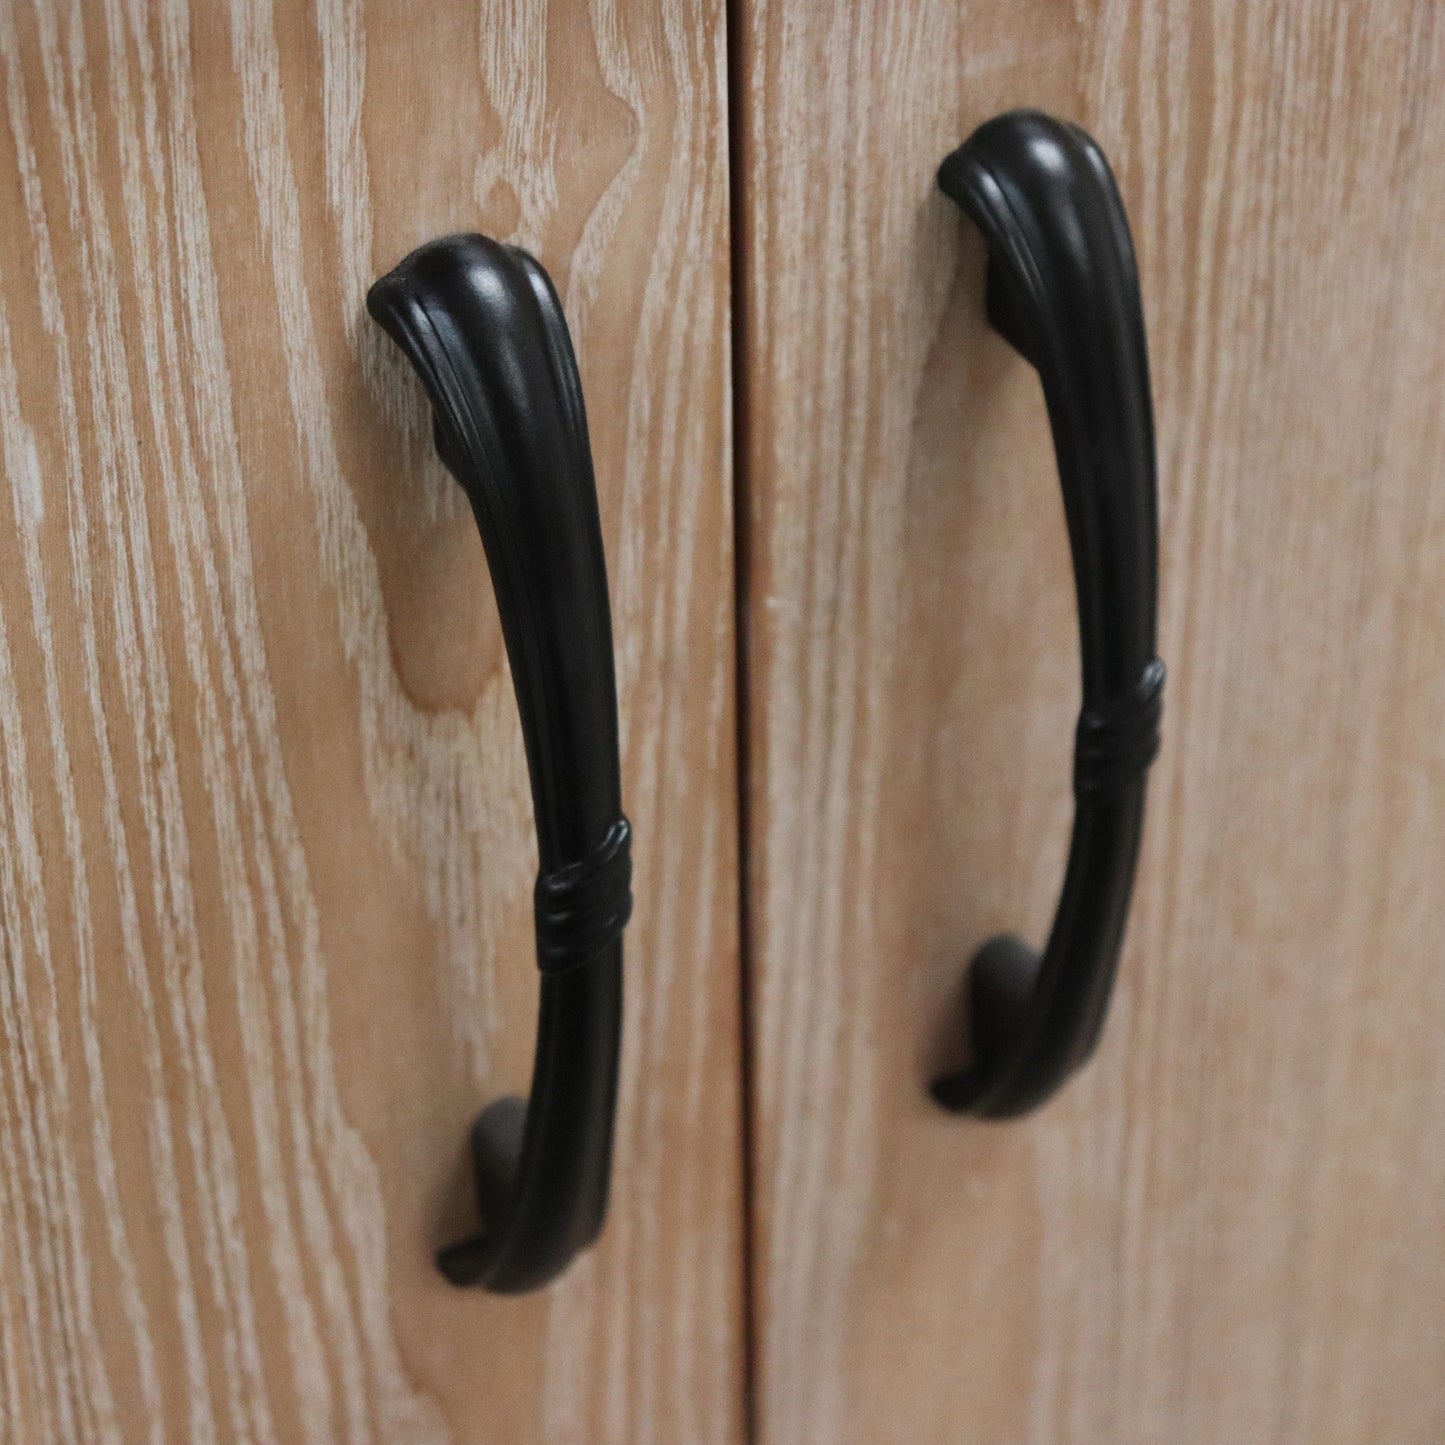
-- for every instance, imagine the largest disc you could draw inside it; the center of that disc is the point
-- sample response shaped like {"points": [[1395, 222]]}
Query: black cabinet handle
{"points": [[484, 329], [1063, 289]]}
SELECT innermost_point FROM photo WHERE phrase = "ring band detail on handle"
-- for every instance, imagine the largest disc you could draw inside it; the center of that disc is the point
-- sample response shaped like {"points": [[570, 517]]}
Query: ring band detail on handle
{"points": [[1116, 742], [583, 907]]}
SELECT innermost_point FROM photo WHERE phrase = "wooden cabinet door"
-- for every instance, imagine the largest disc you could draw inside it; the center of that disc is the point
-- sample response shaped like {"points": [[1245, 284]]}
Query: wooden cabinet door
{"points": [[266, 849], [1229, 1226]]}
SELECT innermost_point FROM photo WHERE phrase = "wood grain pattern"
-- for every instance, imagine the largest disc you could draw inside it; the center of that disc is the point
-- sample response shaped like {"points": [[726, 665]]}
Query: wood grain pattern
{"points": [[1229, 1227], [265, 837]]}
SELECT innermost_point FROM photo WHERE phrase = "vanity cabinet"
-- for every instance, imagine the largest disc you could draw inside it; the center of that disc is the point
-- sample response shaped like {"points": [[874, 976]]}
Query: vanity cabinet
{"points": [[266, 839]]}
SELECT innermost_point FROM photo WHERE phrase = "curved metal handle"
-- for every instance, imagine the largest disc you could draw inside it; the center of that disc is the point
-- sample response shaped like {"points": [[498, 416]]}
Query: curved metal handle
{"points": [[484, 329], [1063, 289]]}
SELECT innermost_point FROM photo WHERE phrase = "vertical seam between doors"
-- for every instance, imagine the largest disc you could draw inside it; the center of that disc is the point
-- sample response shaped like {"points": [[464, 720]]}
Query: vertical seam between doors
{"points": [[735, 18]]}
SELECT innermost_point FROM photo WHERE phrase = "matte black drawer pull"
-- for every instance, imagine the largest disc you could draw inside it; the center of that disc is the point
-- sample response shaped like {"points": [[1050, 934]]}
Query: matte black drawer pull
{"points": [[1063, 289], [482, 325]]}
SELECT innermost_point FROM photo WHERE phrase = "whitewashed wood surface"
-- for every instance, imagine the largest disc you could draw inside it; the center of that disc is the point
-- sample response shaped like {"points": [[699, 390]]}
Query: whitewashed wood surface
{"points": [[1230, 1227], [265, 836]]}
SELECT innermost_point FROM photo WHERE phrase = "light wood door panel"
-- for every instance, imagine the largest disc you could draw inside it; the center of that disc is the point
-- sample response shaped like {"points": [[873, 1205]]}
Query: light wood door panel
{"points": [[265, 836], [1229, 1226]]}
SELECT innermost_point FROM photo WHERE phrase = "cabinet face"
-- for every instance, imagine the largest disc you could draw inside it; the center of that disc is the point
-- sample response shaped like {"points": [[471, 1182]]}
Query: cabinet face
{"points": [[1228, 1226], [266, 849]]}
